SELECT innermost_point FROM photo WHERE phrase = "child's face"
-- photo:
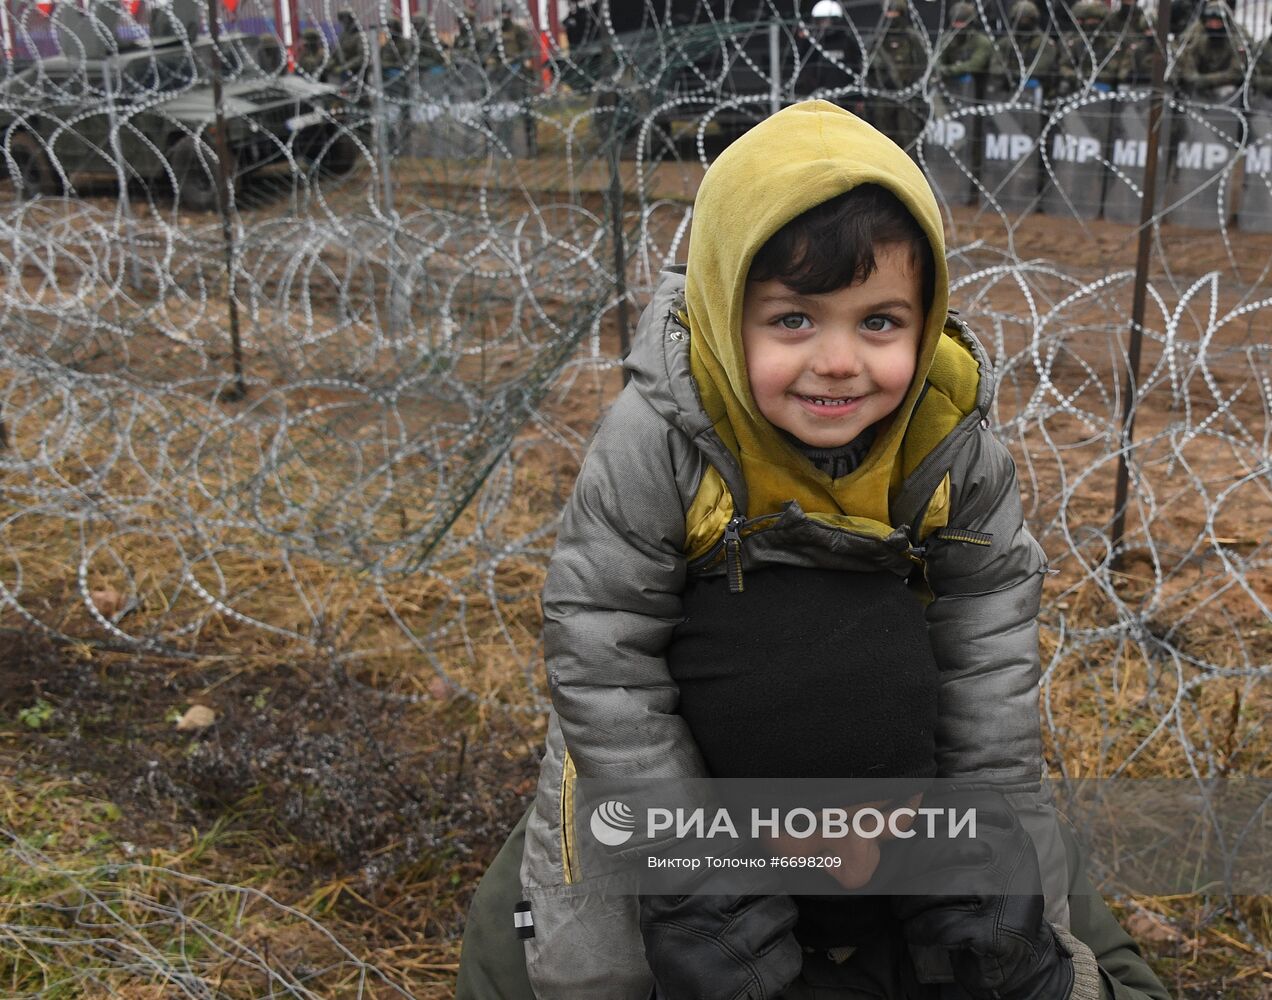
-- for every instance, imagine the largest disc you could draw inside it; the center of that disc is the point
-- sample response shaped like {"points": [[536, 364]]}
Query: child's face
{"points": [[826, 367]]}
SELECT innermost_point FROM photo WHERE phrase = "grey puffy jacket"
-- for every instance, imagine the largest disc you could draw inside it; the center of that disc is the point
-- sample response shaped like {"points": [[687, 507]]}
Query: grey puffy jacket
{"points": [[612, 600]]}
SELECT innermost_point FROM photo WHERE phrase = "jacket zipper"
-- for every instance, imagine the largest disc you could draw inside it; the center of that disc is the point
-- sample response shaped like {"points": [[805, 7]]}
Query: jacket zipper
{"points": [[731, 544], [733, 552]]}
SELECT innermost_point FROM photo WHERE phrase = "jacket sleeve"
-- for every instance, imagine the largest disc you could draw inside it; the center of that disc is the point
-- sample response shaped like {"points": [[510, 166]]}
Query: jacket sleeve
{"points": [[985, 571], [612, 599], [1123, 974]]}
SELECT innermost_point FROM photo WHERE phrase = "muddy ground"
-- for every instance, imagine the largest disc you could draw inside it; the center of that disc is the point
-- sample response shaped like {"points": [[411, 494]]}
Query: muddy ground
{"points": [[332, 775]]}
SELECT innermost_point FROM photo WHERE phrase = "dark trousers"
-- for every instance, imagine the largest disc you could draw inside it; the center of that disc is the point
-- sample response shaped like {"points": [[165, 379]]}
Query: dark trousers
{"points": [[492, 965]]}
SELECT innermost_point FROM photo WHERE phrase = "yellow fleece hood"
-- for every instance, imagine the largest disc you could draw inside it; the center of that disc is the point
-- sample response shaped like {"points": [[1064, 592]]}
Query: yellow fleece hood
{"points": [[800, 157]]}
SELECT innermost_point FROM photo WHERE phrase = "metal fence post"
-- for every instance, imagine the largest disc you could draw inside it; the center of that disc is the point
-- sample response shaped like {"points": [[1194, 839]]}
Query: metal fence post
{"points": [[1139, 295], [775, 66], [396, 295], [223, 204], [125, 206], [620, 247]]}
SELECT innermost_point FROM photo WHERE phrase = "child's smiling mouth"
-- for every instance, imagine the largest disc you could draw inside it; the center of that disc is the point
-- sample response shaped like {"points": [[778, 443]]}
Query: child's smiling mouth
{"points": [[829, 405]]}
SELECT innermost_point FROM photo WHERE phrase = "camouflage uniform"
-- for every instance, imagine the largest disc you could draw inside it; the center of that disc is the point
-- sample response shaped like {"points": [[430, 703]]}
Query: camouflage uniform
{"points": [[1214, 58], [898, 61], [1133, 42], [963, 50], [1135, 65], [1025, 56], [471, 40], [1263, 70], [428, 49], [900, 55], [1127, 19], [351, 49], [512, 46], [1089, 54], [396, 51], [512, 56], [312, 58]]}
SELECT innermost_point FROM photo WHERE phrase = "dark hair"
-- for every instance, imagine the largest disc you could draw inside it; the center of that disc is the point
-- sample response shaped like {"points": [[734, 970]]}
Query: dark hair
{"points": [[832, 245]]}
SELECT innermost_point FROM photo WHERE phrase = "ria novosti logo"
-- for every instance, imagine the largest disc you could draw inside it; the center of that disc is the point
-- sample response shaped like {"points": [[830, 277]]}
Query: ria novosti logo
{"points": [[613, 823]]}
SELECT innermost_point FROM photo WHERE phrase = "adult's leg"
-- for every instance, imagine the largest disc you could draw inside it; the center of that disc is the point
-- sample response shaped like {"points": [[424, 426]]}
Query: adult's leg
{"points": [[492, 963]]}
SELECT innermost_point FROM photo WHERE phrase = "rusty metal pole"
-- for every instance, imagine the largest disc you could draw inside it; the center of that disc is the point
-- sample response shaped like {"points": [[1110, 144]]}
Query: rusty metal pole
{"points": [[1148, 208], [620, 248], [121, 173], [239, 389]]}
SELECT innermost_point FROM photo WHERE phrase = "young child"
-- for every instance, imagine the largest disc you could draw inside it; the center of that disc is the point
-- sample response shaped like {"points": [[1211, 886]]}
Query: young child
{"points": [[801, 410]]}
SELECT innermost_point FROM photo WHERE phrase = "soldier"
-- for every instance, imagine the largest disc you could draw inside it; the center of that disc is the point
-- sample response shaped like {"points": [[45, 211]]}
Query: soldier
{"points": [[829, 53], [312, 58], [900, 55], [269, 54], [512, 56], [1127, 20], [396, 51], [964, 53], [1212, 64], [897, 62], [1089, 55], [1135, 66], [513, 45], [1026, 58], [430, 56], [471, 40], [351, 49]]}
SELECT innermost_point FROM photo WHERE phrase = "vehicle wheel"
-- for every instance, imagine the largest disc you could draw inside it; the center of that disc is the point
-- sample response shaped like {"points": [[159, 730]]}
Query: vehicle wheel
{"points": [[194, 166], [33, 173]]}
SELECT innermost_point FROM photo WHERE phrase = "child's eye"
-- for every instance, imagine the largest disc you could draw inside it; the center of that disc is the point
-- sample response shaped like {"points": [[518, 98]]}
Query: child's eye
{"points": [[794, 321], [879, 324]]}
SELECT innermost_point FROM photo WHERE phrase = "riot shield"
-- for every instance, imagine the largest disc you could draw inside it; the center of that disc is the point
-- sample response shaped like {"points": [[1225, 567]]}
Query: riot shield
{"points": [[1199, 192], [448, 120], [1010, 161], [1074, 153], [949, 141], [1255, 215], [1128, 153]]}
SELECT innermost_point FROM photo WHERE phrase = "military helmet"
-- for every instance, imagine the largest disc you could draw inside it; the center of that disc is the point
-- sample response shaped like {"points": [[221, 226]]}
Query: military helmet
{"points": [[1089, 10], [310, 34], [1214, 9], [896, 7], [394, 24], [963, 11], [346, 14]]}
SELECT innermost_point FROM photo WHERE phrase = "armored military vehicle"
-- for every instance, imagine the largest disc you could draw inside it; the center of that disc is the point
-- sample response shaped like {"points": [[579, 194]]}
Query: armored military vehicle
{"points": [[147, 106]]}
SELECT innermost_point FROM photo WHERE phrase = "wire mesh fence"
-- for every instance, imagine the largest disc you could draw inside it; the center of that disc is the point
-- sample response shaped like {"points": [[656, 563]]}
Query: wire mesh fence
{"points": [[306, 329]]}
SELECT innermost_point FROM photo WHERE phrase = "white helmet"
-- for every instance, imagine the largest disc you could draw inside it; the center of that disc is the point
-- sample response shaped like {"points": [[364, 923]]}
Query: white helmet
{"points": [[827, 8]]}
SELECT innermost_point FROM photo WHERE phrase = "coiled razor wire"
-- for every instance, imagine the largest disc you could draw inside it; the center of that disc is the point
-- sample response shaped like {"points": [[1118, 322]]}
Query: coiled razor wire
{"points": [[428, 314]]}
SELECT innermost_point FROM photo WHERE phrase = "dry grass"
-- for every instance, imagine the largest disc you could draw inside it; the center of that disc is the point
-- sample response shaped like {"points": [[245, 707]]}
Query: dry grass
{"points": [[345, 679]]}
